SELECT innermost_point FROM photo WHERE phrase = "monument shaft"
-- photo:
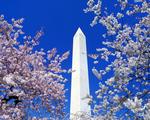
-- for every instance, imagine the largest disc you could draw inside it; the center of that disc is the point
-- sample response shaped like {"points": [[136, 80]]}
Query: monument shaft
{"points": [[80, 79]]}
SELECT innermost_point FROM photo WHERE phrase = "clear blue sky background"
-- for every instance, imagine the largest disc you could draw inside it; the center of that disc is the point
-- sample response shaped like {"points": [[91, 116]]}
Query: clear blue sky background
{"points": [[60, 19]]}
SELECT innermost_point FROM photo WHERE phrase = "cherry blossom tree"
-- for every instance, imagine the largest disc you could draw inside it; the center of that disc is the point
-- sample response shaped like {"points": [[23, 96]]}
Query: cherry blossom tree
{"points": [[126, 93], [29, 79]]}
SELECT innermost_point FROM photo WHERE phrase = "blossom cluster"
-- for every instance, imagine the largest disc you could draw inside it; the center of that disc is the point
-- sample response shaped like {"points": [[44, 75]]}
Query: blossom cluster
{"points": [[127, 52], [29, 79]]}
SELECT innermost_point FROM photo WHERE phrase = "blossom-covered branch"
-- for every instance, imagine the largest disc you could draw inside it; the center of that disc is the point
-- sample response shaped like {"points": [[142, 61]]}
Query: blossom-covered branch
{"points": [[127, 52], [28, 76]]}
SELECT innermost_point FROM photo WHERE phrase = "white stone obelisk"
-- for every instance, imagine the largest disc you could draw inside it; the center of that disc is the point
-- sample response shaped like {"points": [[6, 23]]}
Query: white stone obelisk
{"points": [[80, 78]]}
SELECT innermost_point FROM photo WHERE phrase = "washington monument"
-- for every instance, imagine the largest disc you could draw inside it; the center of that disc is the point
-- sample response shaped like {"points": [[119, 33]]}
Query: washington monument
{"points": [[80, 78]]}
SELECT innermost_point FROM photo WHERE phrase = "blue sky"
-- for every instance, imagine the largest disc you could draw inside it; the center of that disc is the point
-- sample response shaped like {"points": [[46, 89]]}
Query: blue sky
{"points": [[60, 19]]}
